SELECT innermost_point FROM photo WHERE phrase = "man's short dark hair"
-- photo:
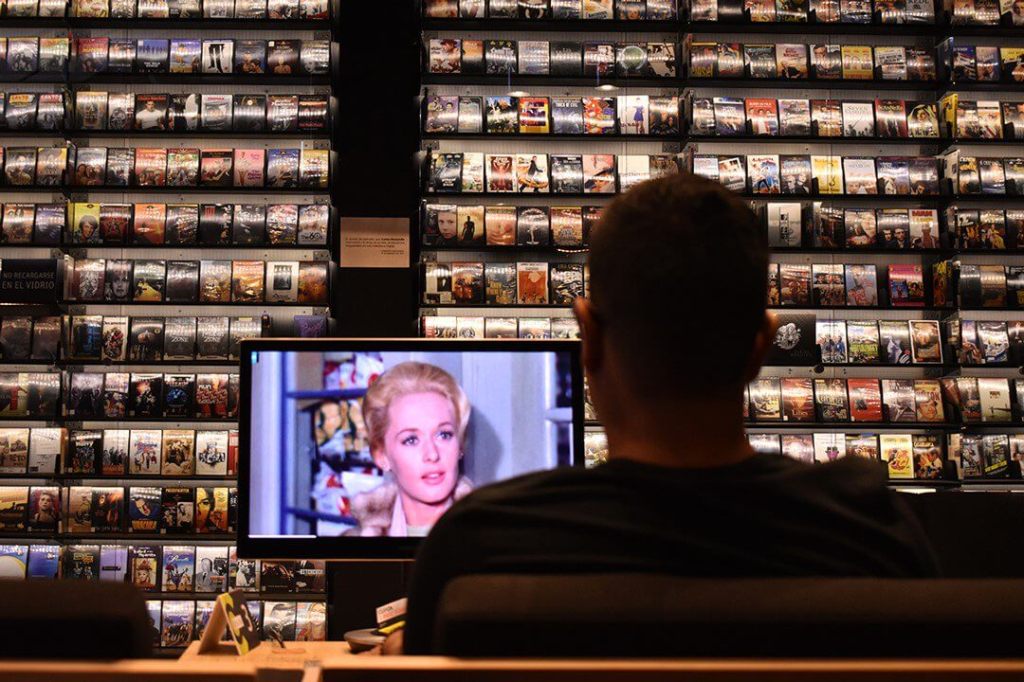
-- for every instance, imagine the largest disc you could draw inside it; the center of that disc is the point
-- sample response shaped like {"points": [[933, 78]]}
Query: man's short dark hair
{"points": [[678, 278]]}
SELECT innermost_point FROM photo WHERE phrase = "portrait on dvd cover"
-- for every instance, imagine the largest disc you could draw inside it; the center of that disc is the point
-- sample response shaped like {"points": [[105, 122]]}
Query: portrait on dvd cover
{"points": [[445, 55], [17, 222], [20, 168], [250, 57], [283, 57], [315, 57], [861, 286], [118, 283]]}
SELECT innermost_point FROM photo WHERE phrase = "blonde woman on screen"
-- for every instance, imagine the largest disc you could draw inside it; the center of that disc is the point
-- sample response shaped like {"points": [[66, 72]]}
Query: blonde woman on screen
{"points": [[416, 416]]}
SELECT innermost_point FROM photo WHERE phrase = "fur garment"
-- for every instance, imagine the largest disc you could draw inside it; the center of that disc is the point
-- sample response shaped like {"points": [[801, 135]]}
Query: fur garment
{"points": [[373, 509]]}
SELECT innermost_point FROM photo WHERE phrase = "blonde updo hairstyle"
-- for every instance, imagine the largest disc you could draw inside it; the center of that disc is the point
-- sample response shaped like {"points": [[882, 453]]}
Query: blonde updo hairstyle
{"points": [[403, 379]]}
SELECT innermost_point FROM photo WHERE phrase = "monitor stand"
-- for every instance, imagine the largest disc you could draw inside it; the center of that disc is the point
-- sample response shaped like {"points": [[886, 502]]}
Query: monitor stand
{"points": [[356, 588]]}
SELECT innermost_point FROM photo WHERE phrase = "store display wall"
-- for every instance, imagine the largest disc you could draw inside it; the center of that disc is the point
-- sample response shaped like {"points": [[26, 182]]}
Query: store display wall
{"points": [[163, 198], [878, 142], [171, 165]]}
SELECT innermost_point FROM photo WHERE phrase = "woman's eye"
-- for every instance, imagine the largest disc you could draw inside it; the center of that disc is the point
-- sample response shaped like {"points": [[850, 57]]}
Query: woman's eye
{"points": [[410, 441], [446, 435]]}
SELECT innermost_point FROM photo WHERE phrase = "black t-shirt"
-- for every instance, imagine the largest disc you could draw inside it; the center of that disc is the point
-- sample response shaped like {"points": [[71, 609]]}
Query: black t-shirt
{"points": [[765, 516]]}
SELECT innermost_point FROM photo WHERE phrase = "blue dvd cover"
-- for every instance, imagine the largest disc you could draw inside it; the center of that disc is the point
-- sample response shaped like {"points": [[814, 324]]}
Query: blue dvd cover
{"points": [[44, 562]]}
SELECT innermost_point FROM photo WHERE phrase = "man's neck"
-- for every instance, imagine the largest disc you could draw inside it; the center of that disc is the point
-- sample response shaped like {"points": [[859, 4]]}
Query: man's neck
{"points": [[690, 435]]}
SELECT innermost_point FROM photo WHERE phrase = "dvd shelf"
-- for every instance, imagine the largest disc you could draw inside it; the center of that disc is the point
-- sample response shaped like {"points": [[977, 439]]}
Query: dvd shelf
{"points": [[177, 225], [155, 167], [882, 165], [85, 58], [249, 10], [171, 166]]}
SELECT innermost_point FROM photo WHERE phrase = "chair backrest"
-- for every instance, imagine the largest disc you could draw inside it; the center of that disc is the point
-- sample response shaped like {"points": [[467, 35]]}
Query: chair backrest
{"points": [[440, 669], [967, 547], [73, 620], [639, 615]]}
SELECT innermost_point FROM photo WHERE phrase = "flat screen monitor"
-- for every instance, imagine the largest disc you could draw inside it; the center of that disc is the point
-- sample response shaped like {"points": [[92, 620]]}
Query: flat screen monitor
{"points": [[352, 449]]}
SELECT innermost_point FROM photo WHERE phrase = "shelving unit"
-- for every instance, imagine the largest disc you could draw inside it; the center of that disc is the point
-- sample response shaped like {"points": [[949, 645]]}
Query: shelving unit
{"points": [[307, 607], [440, 250]]}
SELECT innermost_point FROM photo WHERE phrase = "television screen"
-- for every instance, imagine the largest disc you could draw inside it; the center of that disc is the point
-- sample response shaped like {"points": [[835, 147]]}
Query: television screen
{"points": [[354, 449]]}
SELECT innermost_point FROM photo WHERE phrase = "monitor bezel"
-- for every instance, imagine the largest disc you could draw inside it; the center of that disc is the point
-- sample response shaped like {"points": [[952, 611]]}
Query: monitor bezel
{"points": [[359, 548]]}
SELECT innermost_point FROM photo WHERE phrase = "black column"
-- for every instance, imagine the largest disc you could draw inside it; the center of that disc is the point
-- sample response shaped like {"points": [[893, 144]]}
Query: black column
{"points": [[377, 138]]}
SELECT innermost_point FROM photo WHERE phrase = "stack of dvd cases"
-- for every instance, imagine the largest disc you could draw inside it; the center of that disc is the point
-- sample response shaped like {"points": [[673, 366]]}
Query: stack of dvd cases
{"points": [[878, 141], [173, 162]]}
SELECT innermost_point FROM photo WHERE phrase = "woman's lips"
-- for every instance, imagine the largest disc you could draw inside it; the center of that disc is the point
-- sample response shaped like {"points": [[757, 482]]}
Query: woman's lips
{"points": [[433, 477]]}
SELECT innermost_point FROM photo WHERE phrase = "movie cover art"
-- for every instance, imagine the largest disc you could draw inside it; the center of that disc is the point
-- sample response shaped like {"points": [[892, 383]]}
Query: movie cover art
{"points": [[313, 224], [218, 56], [212, 392], [247, 281], [566, 282], [183, 114], [81, 562], [500, 225], [282, 168], [313, 282], [145, 395], [215, 167], [898, 451], [16, 338], [178, 458], [144, 452]]}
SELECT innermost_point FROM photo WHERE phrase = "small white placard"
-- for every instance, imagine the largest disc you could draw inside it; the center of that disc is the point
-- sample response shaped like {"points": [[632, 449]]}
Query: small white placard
{"points": [[375, 243]]}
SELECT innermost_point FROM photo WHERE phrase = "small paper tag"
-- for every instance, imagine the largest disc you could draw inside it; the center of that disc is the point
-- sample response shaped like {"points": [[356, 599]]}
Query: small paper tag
{"points": [[391, 612]]}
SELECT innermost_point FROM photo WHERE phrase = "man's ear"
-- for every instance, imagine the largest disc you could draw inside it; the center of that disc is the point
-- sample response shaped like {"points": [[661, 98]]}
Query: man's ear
{"points": [[592, 334], [762, 344]]}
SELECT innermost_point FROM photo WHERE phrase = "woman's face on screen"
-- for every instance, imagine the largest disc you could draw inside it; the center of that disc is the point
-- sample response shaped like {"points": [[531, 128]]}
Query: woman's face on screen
{"points": [[421, 446]]}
